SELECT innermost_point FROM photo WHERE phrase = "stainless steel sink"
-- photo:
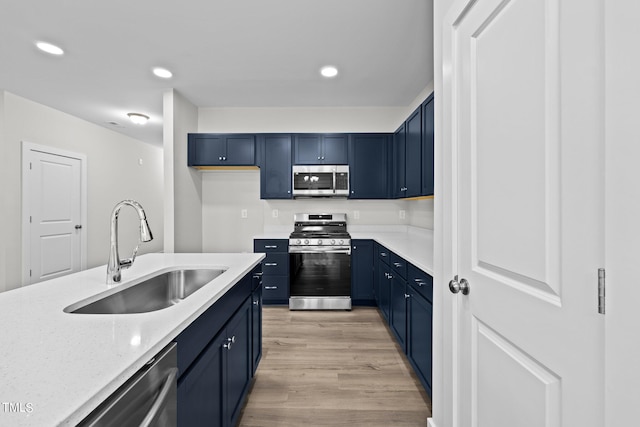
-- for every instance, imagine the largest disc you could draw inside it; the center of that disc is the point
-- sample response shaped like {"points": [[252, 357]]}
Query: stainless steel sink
{"points": [[155, 293]]}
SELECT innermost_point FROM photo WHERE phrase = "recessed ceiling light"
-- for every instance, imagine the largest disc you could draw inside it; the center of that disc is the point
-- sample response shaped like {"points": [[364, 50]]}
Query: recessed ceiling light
{"points": [[49, 48], [138, 118], [162, 72], [329, 71]]}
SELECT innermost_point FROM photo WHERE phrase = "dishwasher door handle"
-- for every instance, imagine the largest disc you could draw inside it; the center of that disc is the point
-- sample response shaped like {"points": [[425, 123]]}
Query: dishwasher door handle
{"points": [[160, 401]]}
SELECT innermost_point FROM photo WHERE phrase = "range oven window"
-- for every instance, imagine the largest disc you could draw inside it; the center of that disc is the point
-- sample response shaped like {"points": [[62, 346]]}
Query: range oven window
{"points": [[320, 274]]}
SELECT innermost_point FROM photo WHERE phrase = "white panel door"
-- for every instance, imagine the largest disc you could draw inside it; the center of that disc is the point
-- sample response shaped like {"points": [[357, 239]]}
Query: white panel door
{"points": [[524, 83], [55, 210]]}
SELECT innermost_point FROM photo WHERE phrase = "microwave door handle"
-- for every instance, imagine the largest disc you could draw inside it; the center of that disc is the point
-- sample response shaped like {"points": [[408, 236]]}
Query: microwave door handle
{"points": [[334, 182]]}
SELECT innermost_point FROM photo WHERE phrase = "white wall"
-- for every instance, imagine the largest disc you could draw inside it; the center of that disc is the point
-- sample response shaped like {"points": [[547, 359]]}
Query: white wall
{"points": [[113, 174], [226, 193], [183, 206]]}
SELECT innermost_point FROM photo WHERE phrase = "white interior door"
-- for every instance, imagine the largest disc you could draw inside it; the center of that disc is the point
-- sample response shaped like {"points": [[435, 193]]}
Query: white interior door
{"points": [[55, 211], [526, 85]]}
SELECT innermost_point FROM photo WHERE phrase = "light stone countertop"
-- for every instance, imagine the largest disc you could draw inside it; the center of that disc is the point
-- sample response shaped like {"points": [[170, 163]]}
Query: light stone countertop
{"points": [[56, 367], [414, 244]]}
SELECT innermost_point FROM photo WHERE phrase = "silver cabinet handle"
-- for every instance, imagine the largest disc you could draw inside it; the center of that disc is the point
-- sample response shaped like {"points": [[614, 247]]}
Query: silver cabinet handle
{"points": [[159, 403], [461, 286], [78, 227], [397, 264], [271, 287], [271, 246], [407, 295], [271, 264], [383, 254], [256, 303]]}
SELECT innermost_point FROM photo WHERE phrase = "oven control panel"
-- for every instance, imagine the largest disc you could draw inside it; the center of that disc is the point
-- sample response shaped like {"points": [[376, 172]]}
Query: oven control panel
{"points": [[320, 242]]}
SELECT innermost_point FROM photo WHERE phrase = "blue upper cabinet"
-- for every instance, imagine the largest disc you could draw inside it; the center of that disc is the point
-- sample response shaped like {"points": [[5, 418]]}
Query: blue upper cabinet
{"points": [[275, 166], [399, 149], [413, 155], [369, 166], [221, 149], [321, 149], [427, 146]]}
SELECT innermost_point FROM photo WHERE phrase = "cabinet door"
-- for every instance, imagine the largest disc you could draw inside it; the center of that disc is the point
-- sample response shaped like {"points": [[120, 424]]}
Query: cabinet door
{"points": [[201, 389], [308, 149], [238, 361], [427, 147], [334, 150], [362, 271], [256, 329], [419, 342], [399, 309], [240, 150], [384, 284], [275, 169], [369, 166], [206, 150], [399, 149], [413, 154]]}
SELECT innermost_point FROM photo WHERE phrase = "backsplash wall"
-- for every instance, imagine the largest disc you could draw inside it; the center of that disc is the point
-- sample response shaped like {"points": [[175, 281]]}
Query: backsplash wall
{"points": [[225, 194]]}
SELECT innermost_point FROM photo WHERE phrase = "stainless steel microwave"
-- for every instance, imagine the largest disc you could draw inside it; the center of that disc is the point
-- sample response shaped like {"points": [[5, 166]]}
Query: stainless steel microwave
{"points": [[321, 181]]}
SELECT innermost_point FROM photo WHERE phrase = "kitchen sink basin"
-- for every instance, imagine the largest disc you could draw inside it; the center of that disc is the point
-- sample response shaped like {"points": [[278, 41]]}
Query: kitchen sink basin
{"points": [[157, 292]]}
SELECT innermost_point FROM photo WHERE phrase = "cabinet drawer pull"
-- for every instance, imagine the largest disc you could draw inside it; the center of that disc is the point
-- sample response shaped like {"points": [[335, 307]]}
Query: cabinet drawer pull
{"points": [[397, 264], [421, 284], [271, 287], [270, 264], [383, 254], [271, 247]]}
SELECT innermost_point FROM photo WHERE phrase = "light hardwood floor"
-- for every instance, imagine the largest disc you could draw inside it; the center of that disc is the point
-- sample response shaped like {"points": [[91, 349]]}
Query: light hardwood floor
{"points": [[333, 368]]}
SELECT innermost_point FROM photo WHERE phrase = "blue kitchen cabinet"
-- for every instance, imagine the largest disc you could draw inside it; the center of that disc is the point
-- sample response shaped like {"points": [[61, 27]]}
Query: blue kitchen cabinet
{"points": [[321, 149], [413, 154], [427, 146], [207, 149], [275, 270], [399, 166], [398, 308], [275, 166], [362, 271], [256, 323], [215, 360], [382, 285], [369, 166], [420, 334]]}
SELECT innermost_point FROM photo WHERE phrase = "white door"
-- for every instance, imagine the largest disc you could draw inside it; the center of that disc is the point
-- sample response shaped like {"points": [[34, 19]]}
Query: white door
{"points": [[523, 89], [55, 215]]}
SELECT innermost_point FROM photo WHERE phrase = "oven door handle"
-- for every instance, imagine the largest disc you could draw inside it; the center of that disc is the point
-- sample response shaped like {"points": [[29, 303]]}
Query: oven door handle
{"points": [[319, 250]]}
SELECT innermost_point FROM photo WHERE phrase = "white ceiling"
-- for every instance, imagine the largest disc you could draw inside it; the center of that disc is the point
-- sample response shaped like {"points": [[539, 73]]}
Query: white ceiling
{"points": [[223, 53]]}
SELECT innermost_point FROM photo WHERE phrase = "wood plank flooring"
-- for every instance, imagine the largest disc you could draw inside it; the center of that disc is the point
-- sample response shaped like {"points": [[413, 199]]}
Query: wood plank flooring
{"points": [[332, 368]]}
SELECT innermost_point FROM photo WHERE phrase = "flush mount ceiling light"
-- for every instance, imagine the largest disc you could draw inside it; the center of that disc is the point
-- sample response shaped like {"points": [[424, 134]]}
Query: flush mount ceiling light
{"points": [[162, 73], [329, 71], [49, 48], [138, 118]]}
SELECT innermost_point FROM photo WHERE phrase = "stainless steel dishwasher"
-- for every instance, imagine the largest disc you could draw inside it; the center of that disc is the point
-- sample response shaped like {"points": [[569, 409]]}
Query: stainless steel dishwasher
{"points": [[149, 398]]}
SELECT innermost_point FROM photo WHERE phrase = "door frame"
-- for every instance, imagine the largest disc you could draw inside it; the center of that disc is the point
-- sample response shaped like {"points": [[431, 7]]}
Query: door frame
{"points": [[27, 147]]}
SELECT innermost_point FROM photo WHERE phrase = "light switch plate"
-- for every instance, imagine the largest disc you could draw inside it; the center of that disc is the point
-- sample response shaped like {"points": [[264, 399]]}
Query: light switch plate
{"points": [[274, 213], [243, 213]]}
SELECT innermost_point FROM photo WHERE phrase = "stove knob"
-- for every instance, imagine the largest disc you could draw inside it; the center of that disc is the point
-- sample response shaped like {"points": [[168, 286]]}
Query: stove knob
{"points": [[319, 241], [298, 242], [333, 242], [341, 242], [306, 242]]}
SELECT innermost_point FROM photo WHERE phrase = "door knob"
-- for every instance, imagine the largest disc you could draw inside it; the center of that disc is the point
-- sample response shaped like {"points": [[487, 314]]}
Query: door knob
{"points": [[456, 286]]}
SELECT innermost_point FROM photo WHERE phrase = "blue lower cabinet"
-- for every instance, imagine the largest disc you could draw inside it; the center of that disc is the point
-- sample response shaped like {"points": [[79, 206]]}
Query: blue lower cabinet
{"points": [[216, 358], [256, 328], [420, 336], [200, 390], [362, 271], [398, 316]]}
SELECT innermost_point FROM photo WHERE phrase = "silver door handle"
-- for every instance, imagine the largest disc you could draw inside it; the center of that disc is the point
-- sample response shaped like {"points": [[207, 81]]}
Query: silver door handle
{"points": [[456, 286], [159, 403], [78, 227]]}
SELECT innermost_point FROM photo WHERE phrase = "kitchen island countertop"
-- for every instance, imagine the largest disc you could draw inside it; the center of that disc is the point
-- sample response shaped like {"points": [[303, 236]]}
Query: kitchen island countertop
{"points": [[56, 367]]}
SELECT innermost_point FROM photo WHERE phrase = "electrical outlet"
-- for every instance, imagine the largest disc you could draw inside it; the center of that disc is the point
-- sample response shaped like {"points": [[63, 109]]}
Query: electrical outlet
{"points": [[274, 213], [356, 214], [402, 214], [243, 213]]}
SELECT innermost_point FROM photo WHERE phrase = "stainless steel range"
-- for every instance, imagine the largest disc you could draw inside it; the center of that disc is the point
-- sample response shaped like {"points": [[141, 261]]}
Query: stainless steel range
{"points": [[320, 260]]}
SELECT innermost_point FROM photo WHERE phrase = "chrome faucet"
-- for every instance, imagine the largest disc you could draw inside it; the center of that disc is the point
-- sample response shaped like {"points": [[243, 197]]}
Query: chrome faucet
{"points": [[115, 265]]}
